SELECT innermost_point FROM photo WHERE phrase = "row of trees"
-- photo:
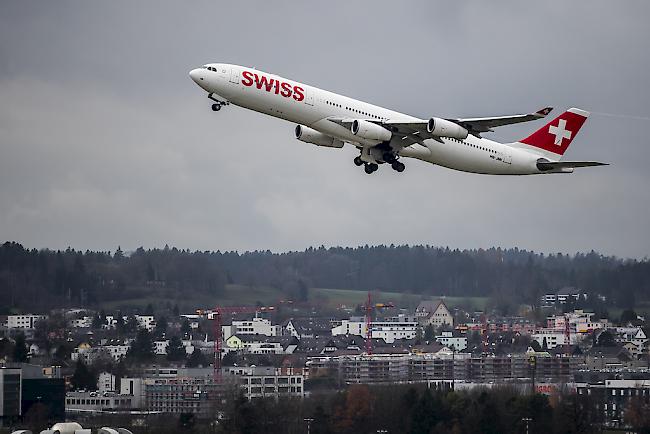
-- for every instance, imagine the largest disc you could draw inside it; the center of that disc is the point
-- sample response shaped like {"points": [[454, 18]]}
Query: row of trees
{"points": [[45, 279], [412, 410]]}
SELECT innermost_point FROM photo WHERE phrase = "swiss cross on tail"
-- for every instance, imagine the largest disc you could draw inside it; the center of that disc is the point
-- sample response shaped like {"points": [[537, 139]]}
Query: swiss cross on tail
{"points": [[557, 135]]}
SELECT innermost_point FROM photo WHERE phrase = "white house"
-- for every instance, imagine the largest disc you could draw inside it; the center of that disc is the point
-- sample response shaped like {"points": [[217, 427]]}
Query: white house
{"points": [[389, 329], [147, 322], [255, 326], [81, 323], [106, 382], [459, 343], [259, 344], [435, 313], [26, 322], [161, 347], [117, 352]]}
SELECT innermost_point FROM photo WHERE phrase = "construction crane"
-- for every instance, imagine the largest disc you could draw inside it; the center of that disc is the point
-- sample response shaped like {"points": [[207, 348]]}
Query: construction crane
{"points": [[369, 307], [217, 316], [484, 337], [567, 335]]}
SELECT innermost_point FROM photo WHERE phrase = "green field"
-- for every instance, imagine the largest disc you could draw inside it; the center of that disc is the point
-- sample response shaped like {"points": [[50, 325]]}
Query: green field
{"points": [[351, 298], [242, 295]]}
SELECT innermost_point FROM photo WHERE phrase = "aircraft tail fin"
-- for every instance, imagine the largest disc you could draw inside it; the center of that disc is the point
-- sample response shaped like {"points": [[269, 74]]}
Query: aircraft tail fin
{"points": [[554, 138]]}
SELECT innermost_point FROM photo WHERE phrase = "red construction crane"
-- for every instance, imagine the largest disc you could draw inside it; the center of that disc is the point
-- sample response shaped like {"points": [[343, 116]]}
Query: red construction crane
{"points": [[217, 314], [567, 335], [484, 337], [369, 307]]}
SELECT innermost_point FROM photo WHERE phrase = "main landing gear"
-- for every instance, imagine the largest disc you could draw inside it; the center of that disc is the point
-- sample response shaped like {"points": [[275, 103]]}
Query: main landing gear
{"points": [[217, 103], [397, 166], [370, 167]]}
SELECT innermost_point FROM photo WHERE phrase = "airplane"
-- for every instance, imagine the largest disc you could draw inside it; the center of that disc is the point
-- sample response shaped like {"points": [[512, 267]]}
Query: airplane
{"points": [[385, 136]]}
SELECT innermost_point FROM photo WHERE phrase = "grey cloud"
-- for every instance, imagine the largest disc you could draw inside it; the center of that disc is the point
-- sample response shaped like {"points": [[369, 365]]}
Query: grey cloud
{"points": [[104, 140]]}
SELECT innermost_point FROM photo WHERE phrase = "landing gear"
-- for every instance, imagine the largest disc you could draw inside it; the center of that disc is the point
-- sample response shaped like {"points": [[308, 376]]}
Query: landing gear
{"points": [[217, 103], [358, 161], [370, 168], [397, 166], [389, 157]]}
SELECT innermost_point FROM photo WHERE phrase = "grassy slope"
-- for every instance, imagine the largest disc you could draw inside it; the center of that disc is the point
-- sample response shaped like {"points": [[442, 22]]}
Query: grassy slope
{"points": [[242, 295]]}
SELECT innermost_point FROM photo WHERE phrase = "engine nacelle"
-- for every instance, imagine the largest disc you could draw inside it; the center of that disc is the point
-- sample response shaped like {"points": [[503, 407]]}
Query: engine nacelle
{"points": [[370, 131], [444, 128], [310, 135]]}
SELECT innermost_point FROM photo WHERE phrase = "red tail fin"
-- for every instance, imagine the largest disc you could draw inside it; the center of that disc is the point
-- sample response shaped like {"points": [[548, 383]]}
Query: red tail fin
{"points": [[556, 136]]}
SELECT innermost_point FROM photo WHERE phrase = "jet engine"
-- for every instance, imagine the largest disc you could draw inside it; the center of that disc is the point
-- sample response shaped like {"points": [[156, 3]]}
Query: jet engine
{"points": [[310, 135], [444, 128], [370, 131]]}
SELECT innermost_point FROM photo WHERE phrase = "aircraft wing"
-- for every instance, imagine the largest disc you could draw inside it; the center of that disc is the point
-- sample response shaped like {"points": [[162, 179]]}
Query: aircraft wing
{"points": [[554, 165], [406, 132], [476, 126]]}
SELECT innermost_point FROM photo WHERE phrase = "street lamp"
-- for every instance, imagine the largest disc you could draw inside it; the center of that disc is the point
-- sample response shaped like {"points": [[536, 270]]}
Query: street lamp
{"points": [[309, 420]]}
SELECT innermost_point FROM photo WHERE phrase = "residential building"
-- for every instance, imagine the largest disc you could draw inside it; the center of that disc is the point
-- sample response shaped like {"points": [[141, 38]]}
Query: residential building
{"points": [[181, 390], [389, 329], [435, 313], [568, 294], [308, 328], [613, 397], [160, 347], [106, 382], [254, 326], [260, 344], [93, 401], [10, 394], [266, 382], [116, 351], [43, 386], [147, 322], [444, 365], [599, 358], [84, 322], [551, 338], [448, 339], [133, 387], [26, 322]]}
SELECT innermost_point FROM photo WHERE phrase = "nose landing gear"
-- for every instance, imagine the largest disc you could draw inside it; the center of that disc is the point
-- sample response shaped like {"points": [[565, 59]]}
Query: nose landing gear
{"points": [[217, 103]]}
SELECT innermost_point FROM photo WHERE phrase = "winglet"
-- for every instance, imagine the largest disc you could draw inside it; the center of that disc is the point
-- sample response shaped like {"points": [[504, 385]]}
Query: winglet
{"points": [[543, 112]]}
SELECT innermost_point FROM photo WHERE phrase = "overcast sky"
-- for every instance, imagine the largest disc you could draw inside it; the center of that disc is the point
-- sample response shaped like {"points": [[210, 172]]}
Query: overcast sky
{"points": [[106, 141]]}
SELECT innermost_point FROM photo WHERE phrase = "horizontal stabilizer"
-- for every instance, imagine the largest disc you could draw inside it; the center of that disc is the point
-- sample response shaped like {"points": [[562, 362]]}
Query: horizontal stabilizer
{"points": [[560, 165]]}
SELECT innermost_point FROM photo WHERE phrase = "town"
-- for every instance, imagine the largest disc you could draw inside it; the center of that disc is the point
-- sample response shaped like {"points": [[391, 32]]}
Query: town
{"points": [[80, 364]]}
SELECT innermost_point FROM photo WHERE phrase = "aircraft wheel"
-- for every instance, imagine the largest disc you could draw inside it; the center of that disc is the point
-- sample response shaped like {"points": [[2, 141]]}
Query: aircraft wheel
{"points": [[369, 169], [358, 161], [397, 166], [216, 107]]}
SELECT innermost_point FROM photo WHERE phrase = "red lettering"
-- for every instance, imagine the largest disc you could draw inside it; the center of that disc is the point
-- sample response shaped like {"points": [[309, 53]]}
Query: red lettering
{"points": [[298, 94], [265, 82], [248, 78], [277, 86], [286, 90]]}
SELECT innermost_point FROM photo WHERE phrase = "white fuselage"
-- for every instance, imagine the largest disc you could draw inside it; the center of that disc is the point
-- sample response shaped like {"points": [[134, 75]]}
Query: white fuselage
{"points": [[310, 106]]}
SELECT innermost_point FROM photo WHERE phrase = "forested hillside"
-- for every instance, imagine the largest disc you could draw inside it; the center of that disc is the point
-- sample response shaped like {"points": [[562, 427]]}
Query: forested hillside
{"points": [[42, 279]]}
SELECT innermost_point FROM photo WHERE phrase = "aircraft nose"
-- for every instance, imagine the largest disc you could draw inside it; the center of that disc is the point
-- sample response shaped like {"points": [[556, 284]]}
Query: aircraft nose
{"points": [[196, 75]]}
